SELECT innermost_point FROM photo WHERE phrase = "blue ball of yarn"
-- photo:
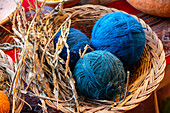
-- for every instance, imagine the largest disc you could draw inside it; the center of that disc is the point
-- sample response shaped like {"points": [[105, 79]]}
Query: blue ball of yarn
{"points": [[120, 34], [99, 75], [76, 40]]}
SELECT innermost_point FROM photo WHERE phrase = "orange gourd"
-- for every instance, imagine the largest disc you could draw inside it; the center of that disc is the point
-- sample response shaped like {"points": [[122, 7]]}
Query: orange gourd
{"points": [[154, 7], [4, 103]]}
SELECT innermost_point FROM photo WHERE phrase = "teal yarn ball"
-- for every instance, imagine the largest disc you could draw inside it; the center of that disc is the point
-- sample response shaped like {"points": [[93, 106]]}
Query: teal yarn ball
{"points": [[76, 40], [120, 34], [99, 75]]}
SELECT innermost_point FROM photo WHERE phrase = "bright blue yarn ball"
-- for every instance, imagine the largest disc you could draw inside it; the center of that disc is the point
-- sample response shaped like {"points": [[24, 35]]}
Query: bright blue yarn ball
{"points": [[99, 75], [120, 34], [76, 40]]}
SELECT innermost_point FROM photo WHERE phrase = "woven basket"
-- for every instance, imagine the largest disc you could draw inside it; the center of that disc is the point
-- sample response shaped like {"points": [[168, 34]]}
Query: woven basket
{"points": [[83, 18]]}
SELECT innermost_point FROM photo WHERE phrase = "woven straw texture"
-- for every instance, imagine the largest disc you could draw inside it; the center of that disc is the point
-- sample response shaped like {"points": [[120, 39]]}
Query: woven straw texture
{"points": [[83, 18]]}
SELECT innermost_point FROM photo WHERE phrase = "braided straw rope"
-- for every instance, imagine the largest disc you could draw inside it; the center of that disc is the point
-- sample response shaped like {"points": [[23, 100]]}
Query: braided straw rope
{"points": [[83, 18]]}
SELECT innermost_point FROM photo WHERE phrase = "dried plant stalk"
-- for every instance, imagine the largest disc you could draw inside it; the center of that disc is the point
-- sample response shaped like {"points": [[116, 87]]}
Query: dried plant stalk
{"points": [[40, 67]]}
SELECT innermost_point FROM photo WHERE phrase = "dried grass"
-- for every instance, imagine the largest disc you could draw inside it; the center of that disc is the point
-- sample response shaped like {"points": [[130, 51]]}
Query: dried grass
{"points": [[40, 72]]}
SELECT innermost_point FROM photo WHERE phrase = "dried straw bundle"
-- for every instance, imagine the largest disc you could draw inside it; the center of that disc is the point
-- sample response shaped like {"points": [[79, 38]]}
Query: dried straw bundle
{"points": [[40, 72]]}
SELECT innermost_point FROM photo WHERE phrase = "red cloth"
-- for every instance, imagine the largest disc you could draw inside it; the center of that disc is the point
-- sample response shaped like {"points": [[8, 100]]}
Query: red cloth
{"points": [[25, 4], [167, 60], [124, 6], [11, 53]]}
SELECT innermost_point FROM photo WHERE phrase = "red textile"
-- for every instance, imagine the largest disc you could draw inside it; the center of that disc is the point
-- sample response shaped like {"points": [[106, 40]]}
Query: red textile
{"points": [[11, 53], [168, 60], [25, 4], [124, 6]]}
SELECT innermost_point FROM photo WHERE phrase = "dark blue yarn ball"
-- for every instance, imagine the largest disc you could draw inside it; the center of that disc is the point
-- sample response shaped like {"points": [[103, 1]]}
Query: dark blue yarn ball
{"points": [[99, 75], [76, 40], [120, 34]]}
